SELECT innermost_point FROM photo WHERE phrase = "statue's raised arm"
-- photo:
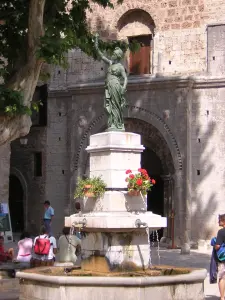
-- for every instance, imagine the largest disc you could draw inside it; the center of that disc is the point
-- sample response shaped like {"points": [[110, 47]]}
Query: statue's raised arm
{"points": [[104, 58]]}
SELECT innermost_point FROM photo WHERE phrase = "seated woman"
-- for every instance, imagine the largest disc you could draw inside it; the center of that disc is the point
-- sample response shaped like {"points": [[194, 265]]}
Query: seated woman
{"points": [[25, 248], [5, 255], [69, 246]]}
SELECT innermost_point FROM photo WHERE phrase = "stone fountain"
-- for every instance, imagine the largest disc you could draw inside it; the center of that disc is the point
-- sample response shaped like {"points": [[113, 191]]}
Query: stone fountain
{"points": [[116, 223], [116, 248], [116, 229]]}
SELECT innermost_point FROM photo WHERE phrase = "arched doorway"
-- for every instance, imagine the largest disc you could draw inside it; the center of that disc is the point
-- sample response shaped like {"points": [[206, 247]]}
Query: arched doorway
{"points": [[155, 198], [151, 162], [16, 203]]}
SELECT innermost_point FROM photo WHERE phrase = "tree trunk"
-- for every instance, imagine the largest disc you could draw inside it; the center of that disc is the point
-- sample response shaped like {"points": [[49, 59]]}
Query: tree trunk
{"points": [[26, 77]]}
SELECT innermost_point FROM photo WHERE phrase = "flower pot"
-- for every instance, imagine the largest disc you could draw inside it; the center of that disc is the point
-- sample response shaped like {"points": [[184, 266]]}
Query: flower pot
{"points": [[87, 187], [89, 194], [134, 193]]}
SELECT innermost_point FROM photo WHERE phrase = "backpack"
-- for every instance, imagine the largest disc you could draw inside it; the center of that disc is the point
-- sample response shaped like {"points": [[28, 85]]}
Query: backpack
{"points": [[42, 246], [221, 252]]}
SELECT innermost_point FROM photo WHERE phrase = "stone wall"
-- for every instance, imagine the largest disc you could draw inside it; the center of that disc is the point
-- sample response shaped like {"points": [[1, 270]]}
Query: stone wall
{"points": [[56, 166], [216, 50], [22, 163], [179, 43], [208, 160]]}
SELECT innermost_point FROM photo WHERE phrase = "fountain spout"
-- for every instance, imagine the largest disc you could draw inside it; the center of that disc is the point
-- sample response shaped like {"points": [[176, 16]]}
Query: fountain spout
{"points": [[138, 223], [82, 223]]}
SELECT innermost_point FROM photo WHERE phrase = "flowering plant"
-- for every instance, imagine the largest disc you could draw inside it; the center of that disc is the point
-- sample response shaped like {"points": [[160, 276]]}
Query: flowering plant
{"points": [[140, 182]]}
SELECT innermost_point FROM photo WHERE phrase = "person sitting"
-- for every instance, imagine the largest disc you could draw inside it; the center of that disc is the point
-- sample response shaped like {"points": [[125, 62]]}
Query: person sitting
{"points": [[5, 255], [44, 249], [69, 246], [25, 245]]}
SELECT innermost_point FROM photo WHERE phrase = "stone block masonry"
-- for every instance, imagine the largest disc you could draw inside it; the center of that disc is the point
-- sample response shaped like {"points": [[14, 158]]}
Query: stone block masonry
{"points": [[57, 167], [179, 37]]}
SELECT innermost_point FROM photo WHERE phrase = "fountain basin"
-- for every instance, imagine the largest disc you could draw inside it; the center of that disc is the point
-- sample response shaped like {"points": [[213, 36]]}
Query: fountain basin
{"points": [[36, 285]]}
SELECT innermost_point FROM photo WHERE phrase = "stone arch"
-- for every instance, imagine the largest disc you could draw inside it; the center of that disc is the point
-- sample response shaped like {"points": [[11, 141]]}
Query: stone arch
{"points": [[165, 131], [17, 173], [135, 22], [154, 140], [133, 5], [165, 134]]}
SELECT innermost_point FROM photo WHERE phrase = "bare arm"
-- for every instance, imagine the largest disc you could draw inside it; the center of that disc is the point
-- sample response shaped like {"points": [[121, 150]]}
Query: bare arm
{"points": [[124, 75], [104, 58]]}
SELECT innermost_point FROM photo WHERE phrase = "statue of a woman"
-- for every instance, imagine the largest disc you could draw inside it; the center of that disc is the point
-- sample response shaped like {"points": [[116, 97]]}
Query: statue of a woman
{"points": [[115, 88]]}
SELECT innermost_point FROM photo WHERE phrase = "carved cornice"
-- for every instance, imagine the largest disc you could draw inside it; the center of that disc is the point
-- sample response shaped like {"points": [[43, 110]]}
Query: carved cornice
{"points": [[145, 82]]}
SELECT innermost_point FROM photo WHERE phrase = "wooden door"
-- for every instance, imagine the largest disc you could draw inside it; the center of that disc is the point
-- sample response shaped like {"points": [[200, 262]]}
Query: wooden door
{"points": [[140, 60]]}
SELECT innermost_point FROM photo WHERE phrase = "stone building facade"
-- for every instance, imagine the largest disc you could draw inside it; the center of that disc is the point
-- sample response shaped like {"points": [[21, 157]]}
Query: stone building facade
{"points": [[177, 107]]}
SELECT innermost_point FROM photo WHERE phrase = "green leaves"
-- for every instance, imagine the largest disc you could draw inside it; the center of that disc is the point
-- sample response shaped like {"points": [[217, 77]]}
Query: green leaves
{"points": [[11, 103], [93, 185], [65, 28]]}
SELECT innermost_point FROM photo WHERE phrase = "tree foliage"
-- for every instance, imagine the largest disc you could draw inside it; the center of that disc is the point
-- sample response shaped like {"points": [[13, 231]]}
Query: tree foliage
{"points": [[64, 28], [33, 32]]}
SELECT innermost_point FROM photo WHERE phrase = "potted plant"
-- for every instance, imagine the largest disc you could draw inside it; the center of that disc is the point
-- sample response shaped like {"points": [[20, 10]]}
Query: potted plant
{"points": [[139, 182], [90, 187]]}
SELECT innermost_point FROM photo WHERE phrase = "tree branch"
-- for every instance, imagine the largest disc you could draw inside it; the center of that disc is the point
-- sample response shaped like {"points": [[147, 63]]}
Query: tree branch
{"points": [[26, 77], [35, 24]]}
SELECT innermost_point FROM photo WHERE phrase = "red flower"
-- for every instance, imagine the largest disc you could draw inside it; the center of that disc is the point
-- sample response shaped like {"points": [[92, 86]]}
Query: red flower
{"points": [[153, 181], [143, 171], [146, 176], [131, 176], [139, 182], [128, 171], [139, 170]]}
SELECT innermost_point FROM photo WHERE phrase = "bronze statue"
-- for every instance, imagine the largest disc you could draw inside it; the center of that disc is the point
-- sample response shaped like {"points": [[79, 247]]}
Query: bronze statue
{"points": [[115, 88]]}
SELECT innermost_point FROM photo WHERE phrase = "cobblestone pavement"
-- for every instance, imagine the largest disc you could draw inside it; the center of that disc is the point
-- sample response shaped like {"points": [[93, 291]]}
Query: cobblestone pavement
{"points": [[197, 259]]}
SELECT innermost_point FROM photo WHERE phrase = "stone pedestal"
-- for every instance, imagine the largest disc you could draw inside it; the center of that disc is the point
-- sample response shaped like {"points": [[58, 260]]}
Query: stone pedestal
{"points": [[110, 222], [112, 153]]}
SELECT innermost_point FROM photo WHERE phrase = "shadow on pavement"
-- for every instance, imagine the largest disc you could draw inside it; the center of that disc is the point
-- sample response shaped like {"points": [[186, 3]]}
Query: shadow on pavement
{"points": [[174, 258]]}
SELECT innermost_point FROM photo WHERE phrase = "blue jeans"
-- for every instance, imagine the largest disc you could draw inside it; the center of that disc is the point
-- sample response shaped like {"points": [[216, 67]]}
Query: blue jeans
{"points": [[47, 223]]}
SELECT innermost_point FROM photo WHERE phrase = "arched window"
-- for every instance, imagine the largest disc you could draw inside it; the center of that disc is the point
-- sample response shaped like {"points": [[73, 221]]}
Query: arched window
{"points": [[137, 25]]}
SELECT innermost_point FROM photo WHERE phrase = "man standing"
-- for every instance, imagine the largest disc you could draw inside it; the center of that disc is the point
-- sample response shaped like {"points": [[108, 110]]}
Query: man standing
{"points": [[221, 265], [48, 216]]}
